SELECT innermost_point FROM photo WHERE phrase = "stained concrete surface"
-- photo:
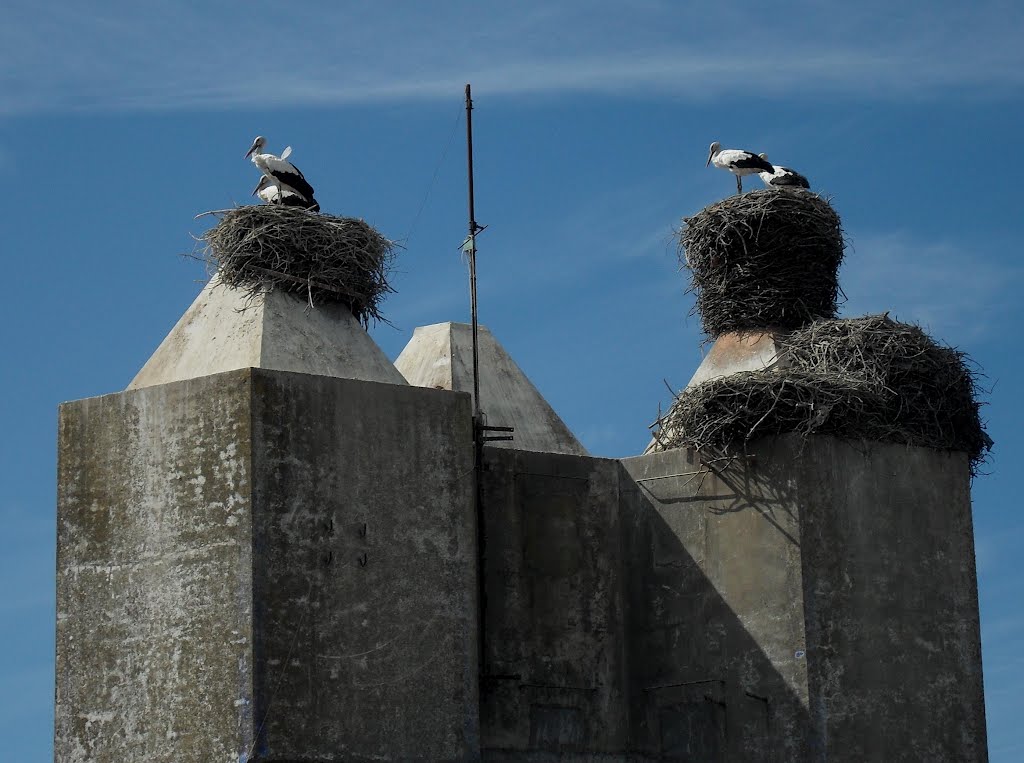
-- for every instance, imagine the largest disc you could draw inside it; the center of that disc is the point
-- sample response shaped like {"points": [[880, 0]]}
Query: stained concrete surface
{"points": [[154, 575], [717, 616], [891, 599], [607, 638], [265, 566], [224, 330], [554, 670], [366, 584], [296, 554], [790, 602], [440, 356], [851, 567]]}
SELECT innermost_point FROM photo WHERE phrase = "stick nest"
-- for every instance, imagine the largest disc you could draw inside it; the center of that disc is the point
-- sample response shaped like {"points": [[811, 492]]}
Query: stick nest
{"points": [[320, 257], [763, 259], [868, 378]]}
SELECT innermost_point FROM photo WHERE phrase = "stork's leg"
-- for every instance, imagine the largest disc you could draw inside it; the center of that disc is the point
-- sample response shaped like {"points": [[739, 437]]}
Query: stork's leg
{"points": [[739, 184]]}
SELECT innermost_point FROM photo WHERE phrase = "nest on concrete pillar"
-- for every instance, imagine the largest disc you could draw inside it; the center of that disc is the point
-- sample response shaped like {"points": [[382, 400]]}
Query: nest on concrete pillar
{"points": [[868, 378], [765, 259], [320, 257]]}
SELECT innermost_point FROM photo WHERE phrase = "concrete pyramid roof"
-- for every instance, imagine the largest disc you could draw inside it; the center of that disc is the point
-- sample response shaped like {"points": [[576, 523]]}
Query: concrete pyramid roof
{"points": [[223, 331], [735, 352], [740, 351], [441, 356]]}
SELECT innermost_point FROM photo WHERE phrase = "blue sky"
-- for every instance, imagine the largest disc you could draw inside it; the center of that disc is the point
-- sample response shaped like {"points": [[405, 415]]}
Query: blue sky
{"points": [[119, 123]]}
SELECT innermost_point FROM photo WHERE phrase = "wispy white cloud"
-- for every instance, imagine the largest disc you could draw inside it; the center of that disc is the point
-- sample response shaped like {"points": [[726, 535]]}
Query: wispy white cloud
{"points": [[954, 290], [169, 55]]}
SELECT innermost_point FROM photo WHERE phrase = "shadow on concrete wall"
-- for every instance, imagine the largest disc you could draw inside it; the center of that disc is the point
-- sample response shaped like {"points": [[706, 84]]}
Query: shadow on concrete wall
{"points": [[716, 647], [606, 634]]}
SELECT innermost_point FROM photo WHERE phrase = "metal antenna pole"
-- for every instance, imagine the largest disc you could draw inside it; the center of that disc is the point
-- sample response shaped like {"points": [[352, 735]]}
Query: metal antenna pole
{"points": [[473, 230], [480, 430], [478, 445]]}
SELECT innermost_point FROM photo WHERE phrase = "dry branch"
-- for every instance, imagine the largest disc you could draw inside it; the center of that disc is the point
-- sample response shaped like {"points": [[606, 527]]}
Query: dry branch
{"points": [[319, 257], [763, 259], [868, 378]]}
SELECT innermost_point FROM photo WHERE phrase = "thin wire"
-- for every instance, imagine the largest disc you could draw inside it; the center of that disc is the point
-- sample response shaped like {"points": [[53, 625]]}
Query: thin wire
{"points": [[433, 180]]}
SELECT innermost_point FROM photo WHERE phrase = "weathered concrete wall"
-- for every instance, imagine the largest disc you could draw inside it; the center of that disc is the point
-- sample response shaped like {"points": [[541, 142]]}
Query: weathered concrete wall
{"points": [[554, 667], [154, 575], [271, 566], [267, 566], [626, 623], [788, 604], [716, 614], [843, 595], [366, 577], [891, 599]]}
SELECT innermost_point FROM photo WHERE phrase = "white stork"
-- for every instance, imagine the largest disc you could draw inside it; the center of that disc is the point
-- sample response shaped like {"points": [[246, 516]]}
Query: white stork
{"points": [[281, 172], [738, 162], [783, 177], [273, 193]]}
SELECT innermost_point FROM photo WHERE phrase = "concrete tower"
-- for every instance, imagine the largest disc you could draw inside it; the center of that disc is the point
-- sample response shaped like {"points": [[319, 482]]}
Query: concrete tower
{"points": [[268, 550], [260, 564]]}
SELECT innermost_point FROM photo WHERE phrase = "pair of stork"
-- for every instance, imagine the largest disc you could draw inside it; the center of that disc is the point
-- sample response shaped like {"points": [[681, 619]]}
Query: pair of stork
{"points": [[741, 163], [282, 182]]}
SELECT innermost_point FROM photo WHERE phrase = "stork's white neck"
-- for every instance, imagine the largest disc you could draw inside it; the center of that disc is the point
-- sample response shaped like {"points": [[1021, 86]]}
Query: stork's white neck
{"points": [[260, 160]]}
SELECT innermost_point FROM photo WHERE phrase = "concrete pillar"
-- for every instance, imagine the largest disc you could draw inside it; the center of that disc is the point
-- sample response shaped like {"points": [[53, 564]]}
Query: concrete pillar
{"points": [[555, 670], [260, 565], [815, 601]]}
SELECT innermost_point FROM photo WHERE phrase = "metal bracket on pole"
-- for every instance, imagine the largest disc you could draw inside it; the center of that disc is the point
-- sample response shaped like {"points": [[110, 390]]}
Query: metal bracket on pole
{"points": [[484, 438]]}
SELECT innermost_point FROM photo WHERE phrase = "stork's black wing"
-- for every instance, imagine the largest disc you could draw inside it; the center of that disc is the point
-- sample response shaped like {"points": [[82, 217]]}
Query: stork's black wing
{"points": [[791, 179], [293, 180], [751, 161]]}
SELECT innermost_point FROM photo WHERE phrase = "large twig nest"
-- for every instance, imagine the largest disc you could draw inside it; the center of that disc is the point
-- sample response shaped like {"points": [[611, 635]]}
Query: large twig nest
{"points": [[764, 259], [868, 378], [320, 257]]}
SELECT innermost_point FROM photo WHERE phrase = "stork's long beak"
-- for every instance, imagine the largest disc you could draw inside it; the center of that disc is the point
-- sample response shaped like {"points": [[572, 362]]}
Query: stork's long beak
{"points": [[251, 149], [708, 162], [256, 190]]}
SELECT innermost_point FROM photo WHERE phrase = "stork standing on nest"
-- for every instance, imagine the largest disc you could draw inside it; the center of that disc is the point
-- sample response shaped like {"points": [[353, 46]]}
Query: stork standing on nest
{"points": [[272, 193], [280, 172], [738, 162], [783, 177]]}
